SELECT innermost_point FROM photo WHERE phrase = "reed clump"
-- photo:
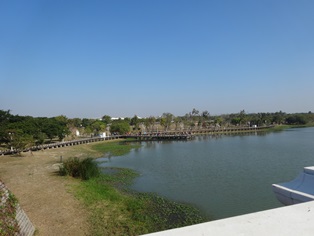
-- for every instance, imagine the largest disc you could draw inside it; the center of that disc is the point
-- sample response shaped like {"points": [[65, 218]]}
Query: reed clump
{"points": [[80, 168]]}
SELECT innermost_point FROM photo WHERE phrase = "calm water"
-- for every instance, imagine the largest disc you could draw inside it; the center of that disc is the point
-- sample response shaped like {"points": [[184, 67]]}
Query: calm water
{"points": [[223, 176]]}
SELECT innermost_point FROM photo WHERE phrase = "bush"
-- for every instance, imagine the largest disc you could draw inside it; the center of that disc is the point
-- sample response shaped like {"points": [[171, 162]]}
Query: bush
{"points": [[84, 169], [88, 169]]}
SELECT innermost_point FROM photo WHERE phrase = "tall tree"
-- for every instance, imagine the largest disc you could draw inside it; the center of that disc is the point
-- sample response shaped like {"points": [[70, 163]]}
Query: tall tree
{"points": [[205, 115], [106, 119], [149, 123], [135, 121], [166, 120], [98, 126], [75, 122], [195, 112], [242, 117], [120, 127], [18, 141], [279, 117], [177, 121]]}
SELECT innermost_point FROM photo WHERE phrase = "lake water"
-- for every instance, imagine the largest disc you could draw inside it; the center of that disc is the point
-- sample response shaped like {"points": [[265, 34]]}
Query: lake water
{"points": [[221, 175]]}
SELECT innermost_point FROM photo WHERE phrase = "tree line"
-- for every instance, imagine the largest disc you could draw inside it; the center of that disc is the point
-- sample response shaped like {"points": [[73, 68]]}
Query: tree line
{"points": [[19, 132]]}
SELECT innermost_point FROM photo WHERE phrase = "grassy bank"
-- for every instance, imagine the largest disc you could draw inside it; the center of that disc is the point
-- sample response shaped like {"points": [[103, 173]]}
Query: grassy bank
{"points": [[115, 210], [115, 148], [283, 127]]}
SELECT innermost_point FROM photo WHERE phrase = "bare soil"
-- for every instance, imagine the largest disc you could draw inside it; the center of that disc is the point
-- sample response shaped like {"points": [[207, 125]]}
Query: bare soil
{"points": [[44, 196]]}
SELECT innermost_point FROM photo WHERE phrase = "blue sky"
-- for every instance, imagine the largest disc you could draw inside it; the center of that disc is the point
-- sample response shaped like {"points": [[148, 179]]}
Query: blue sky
{"points": [[147, 57]]}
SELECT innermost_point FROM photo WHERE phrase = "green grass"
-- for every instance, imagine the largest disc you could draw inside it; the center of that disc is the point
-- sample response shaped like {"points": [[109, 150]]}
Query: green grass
{"points": [[283, 127], [117, 148], [114, 210]]}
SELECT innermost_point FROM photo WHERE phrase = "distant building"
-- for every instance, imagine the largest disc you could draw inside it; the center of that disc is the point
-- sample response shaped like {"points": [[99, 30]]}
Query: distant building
{"points": [[115, 118]]}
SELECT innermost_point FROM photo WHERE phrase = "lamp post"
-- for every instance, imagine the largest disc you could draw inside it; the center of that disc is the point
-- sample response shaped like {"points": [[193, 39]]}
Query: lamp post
{"points": [[10, 134]]}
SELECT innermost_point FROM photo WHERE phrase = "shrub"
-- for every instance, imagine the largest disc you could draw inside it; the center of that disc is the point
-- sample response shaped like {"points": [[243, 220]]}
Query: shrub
{"points": [[88, 169], [84, 169]]}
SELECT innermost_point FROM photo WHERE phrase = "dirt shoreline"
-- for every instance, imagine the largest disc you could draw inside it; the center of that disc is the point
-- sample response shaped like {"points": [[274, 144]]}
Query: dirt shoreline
{"points": [[44, 196]]}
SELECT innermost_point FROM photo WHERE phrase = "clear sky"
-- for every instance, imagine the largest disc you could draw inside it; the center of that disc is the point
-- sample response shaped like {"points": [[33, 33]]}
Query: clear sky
{"points": [[146, 57]]}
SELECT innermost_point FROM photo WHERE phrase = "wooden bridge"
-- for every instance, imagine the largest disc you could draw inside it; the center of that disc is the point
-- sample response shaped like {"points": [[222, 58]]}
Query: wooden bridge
{"points": [[188, 133], [144, 137], [61, 144], [229, 130], [153, 136], [159, 136]]}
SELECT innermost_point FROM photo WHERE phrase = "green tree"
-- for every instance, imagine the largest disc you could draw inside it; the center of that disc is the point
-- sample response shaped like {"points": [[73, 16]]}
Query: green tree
{"points": [[279, 117], [63, 120], [191, 125], [242, 117], [120, 127], [40, 138], [19, 141], [166, 120], [87, 122], [50, 129], [135, 121], [75, 122], [296, 119], [54, 127], [205, 115], [88, 130], [195, 112], [218, 120], [149, 123], [177, 121], [106, 119], [127, 119], [98, 126], [236, 120]]}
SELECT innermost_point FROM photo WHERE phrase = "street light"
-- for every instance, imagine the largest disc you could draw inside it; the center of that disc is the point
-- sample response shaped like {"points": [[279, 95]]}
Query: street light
{"points": [[10, 134]]}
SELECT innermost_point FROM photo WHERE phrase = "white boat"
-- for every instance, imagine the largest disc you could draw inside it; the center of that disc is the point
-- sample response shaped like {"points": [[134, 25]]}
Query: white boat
{"points": [[299, 190]]}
